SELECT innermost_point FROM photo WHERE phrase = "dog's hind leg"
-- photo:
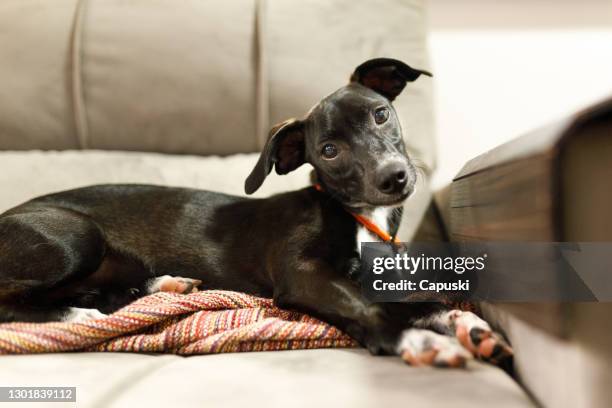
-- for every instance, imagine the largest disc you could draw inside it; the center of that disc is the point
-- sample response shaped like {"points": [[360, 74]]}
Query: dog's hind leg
{"points": [[175, 284], [40, 249]]}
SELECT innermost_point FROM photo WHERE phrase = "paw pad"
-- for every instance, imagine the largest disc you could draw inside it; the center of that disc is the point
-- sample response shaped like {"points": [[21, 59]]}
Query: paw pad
{"points": [[476, 335]]}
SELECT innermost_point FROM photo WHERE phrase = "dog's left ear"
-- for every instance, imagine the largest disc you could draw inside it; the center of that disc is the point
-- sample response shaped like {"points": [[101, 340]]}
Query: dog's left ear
{"points": [[386, 76], [284, 150]]}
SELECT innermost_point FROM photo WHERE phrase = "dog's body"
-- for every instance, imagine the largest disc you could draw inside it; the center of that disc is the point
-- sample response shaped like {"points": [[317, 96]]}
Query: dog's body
{"points": [[72, 254], [130, 234]]}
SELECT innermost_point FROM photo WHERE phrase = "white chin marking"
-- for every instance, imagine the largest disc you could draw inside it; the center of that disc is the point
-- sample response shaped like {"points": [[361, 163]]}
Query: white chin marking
{"points": [[380, 216], [78, 314]]}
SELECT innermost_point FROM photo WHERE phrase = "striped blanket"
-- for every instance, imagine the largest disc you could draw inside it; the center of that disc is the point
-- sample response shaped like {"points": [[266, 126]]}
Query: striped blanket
{"points": [[198, 323]]}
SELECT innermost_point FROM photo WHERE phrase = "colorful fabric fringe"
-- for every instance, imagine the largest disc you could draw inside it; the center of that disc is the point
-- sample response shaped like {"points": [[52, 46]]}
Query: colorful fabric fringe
{"points": [[199, 323]]}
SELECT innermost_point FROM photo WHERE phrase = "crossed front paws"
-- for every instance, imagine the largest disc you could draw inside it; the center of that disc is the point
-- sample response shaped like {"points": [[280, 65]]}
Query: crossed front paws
{"points": [[422, 347], [466, 336]]}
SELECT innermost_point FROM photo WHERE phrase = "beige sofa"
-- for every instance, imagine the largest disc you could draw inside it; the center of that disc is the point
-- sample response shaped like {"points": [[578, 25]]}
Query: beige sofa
{"points": [[183, 93]]}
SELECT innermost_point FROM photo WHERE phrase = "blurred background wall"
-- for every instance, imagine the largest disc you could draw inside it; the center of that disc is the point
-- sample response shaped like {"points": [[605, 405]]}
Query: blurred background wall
{"points": [[503, 68]]}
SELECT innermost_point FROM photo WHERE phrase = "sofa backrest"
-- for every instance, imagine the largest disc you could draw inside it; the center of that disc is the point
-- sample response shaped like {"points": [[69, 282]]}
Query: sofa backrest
{"points": [[195, 77]]}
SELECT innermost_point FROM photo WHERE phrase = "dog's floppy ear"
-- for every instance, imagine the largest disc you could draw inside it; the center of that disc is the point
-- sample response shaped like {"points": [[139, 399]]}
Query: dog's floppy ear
{"points": [[386, 76], [284, 150]]}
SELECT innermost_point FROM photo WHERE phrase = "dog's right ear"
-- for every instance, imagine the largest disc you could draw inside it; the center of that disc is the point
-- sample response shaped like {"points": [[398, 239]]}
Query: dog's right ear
{"points": [[284, 150]]}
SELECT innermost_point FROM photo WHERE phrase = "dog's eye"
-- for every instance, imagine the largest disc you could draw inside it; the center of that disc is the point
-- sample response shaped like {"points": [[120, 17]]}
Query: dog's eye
{"points": [[381, 115], [329, 151]]}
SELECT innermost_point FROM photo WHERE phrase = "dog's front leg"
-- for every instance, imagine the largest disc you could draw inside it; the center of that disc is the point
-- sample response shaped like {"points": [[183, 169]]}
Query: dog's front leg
{"points": [[313, 287], [339, 303], [423, 333]]}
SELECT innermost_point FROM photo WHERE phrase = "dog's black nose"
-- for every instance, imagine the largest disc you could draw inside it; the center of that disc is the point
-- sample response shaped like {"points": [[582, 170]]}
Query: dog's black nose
{"points": [[392, 178]]}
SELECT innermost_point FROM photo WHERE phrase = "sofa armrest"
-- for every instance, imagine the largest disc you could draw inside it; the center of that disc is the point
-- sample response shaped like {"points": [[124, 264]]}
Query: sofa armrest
{"points": [[550, 185]]}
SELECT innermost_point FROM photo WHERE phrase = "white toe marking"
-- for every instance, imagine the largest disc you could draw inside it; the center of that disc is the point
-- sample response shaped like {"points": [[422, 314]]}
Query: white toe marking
{"points": [[417, 341], [470, 321], [154, 285], [78, 314], [447, 321]]}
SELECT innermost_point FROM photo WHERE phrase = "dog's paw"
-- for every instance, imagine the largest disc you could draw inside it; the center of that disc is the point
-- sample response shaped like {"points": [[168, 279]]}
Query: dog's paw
{"points": [[476, 335], [78, 315], [421, 347], [174, 284]]}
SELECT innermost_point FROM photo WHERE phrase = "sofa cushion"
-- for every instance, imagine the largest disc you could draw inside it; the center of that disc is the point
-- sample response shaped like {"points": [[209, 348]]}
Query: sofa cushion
{"points": [[192, 77], [35, 104], [32, 173], [305, 378], [169, 76], [138, 75]]}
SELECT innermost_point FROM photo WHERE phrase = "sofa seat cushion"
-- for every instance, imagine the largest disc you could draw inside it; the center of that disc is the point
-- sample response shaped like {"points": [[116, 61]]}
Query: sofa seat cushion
{"points": [[32, 173], [304, 378]]}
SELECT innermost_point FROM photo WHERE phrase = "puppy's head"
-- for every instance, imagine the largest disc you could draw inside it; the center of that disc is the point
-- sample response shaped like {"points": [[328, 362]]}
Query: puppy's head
{"points": [[352, 138]]}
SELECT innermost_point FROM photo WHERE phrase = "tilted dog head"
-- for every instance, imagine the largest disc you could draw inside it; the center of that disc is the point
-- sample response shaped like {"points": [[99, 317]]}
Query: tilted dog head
{"points": [[352, 138]]}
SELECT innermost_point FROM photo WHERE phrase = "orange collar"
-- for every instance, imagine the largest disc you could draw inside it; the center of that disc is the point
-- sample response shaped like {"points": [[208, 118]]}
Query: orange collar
{"points": [[367, 223]]}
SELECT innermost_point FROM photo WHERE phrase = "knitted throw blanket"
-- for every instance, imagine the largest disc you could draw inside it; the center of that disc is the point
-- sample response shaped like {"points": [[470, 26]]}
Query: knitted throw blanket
{"points": [[205, 322]]}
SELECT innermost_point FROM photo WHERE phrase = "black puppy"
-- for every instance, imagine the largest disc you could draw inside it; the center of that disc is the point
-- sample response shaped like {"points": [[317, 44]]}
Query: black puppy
{"points": [[75, 254]]}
